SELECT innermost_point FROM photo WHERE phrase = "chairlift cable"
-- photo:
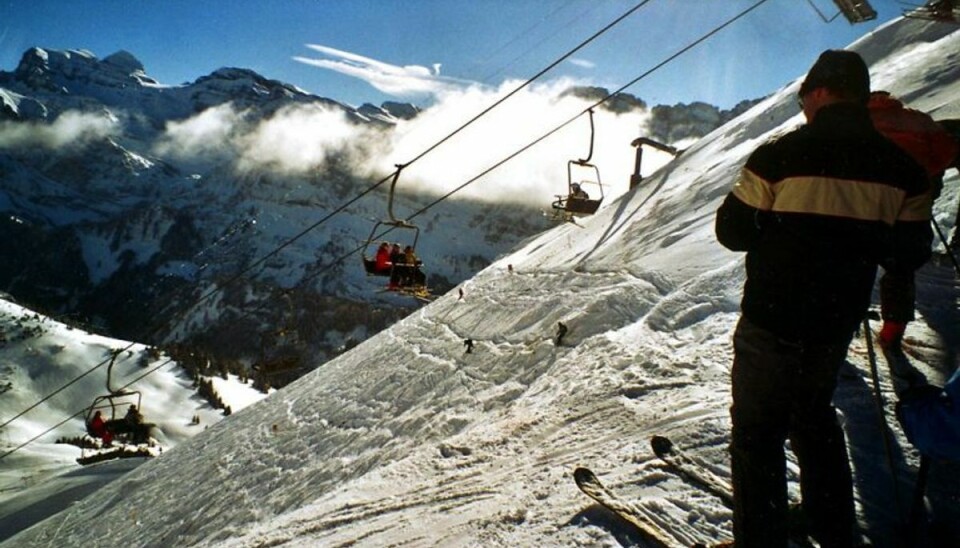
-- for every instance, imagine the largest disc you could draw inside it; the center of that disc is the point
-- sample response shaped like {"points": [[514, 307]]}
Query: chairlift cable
{"points": [[262, 260], [540, 42], [530, 80]]}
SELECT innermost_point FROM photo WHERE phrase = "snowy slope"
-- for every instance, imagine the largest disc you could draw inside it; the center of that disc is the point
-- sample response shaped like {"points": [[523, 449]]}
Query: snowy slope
{"points": [[43, 357], [408, 440]]}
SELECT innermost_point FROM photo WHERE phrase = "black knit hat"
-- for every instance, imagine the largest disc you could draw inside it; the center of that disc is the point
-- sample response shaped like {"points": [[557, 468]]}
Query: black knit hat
{"points": [[840, 71]]}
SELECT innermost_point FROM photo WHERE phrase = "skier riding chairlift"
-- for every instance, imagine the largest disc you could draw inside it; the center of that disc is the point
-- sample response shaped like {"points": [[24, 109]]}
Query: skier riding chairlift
{"points": [[403, 268]]}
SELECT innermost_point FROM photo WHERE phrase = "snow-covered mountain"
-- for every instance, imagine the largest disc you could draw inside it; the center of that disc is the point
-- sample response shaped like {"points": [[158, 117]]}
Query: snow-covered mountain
{"points": [[162, 213], [409, 440]]}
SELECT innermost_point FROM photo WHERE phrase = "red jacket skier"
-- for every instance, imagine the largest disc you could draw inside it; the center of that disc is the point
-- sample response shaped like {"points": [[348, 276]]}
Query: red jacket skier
{"points": [[935, 150]]}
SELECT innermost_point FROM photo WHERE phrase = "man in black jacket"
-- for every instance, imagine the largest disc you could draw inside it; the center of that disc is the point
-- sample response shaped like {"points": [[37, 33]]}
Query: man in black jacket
{"points": [[815, 211]]}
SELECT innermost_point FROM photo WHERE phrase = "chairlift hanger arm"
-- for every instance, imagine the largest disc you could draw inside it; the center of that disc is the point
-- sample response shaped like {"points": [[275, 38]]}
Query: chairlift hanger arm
{"points": [[586, 160], [393, 185]]}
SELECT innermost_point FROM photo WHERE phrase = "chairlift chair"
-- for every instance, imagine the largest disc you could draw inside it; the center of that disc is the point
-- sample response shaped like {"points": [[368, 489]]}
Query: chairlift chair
{"points": [[942, 11], [368, 256], [370, 247], [114, 400], [588, 175], [855, 11], [419, 290]]}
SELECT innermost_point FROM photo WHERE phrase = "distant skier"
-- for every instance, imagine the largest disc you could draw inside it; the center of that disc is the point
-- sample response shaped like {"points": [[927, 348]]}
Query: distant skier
{"points": [[469, 344], [460, 298], [561, 331]]}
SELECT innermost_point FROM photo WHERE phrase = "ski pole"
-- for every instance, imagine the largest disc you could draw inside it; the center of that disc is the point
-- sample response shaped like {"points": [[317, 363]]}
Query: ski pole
{"points": [[917, 511], [878, 400]]}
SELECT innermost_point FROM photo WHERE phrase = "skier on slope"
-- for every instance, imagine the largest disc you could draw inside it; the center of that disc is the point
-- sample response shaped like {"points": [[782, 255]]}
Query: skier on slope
{"points": [[815, 212], [934, 149], [561, 331]]}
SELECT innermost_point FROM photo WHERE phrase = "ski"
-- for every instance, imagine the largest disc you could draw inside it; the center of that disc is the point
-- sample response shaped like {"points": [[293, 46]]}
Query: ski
{"points": [[639, 517], [696, 473], [700, 476]]}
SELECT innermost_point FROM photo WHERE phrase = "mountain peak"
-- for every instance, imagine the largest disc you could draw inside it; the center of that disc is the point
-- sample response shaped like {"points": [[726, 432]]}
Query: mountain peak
{"points": [[125, 62], [62, 70]]}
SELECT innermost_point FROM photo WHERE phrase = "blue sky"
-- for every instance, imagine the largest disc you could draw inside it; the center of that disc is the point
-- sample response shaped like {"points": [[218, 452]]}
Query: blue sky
{"points": [[347, 49]]}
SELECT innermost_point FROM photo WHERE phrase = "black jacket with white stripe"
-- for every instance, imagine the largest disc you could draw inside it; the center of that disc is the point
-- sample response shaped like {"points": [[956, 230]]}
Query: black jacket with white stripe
{"points": [[816, 211]]}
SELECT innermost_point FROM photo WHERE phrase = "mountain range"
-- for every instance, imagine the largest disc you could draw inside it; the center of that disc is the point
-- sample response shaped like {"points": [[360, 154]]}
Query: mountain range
{"points": [[174, 214]]}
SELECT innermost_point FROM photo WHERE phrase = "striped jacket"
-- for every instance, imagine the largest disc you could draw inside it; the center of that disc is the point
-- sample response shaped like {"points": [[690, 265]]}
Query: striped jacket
{"points": [[816, 212]]}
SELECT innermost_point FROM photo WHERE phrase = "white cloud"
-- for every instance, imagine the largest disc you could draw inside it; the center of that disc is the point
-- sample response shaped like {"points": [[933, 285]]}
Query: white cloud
{"points": [[208, 133], [536, 175], [301, 138], [71, 127], [583, 63], [293, 140], [401, 81]]}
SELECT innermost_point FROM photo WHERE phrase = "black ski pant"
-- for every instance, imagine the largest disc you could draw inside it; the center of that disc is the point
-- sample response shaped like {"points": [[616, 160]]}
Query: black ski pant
{"points": [[780, 391], [897, 295]]}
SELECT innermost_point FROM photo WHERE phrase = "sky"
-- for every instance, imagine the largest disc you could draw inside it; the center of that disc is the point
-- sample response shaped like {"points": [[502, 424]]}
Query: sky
{"points": [[408, 440], [371, 51]]}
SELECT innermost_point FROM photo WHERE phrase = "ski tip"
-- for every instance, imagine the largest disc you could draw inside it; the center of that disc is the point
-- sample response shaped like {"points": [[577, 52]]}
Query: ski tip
{"points": [[583, 475], [661, 445]]}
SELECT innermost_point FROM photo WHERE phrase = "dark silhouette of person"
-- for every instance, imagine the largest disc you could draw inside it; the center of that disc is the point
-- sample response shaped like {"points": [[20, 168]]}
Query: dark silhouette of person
{"points": [[561, 331], [398, 270], [815, 210], [469, 344], [577, 193], [139, 431]]}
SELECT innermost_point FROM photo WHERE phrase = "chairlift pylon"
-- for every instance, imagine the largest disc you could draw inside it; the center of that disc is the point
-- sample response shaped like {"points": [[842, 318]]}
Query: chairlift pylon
{"points": [[639, 143], [580, 173]]}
